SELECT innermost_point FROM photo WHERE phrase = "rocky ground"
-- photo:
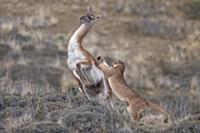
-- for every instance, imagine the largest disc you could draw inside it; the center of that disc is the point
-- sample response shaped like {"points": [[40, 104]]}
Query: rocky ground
{"points": [[157, 39]]}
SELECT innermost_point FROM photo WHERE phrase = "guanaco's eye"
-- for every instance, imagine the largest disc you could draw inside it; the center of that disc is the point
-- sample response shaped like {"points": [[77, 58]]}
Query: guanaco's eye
{"points": [[83, 18], [91, 17]]}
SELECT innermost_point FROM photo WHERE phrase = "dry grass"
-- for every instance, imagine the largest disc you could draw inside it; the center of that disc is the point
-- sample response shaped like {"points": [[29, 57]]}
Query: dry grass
{"points": [[71, 110]]}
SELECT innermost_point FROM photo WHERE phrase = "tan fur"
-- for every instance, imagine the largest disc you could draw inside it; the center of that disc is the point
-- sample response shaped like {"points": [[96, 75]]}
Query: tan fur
{"points": [[81, 63], [136, 104]]}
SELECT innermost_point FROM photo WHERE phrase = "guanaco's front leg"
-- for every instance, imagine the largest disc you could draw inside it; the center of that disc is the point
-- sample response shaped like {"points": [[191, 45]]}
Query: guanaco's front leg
{"points": [[81, 86], [81, 72]]}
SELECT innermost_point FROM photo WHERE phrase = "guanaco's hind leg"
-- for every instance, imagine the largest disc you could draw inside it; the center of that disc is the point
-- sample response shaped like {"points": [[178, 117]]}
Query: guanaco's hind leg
{"points": [[81, 72], [81, 86], [107, 91]]}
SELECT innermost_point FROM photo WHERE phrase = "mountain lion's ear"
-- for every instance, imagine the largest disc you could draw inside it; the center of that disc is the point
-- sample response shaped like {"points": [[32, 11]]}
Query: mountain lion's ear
{"points": [[114, 63], [119, 62]]}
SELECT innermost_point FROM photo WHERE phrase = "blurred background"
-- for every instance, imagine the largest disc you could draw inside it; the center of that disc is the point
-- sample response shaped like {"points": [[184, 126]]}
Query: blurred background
{"points": [[159, 41]]}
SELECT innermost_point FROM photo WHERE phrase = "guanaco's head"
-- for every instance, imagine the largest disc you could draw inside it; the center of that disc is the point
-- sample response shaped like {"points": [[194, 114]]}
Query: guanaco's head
{"points": [[89, 17], [119, 65]]}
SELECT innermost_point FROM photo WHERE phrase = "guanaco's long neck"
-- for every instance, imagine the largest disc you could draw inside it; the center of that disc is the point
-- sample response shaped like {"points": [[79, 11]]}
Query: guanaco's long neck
{"points": [[76, 38]]}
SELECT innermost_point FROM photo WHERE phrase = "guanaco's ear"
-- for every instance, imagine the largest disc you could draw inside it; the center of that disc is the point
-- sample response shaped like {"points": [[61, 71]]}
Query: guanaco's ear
{"points": [[89, 11]]}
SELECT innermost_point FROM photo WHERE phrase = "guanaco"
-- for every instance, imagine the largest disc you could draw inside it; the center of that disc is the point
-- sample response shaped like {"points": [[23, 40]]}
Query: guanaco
{"points": [[136, 104], [81, 63]]}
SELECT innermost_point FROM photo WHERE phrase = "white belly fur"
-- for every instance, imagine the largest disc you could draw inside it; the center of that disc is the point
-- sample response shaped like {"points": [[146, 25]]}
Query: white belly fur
{"points": [[94, 74]]}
